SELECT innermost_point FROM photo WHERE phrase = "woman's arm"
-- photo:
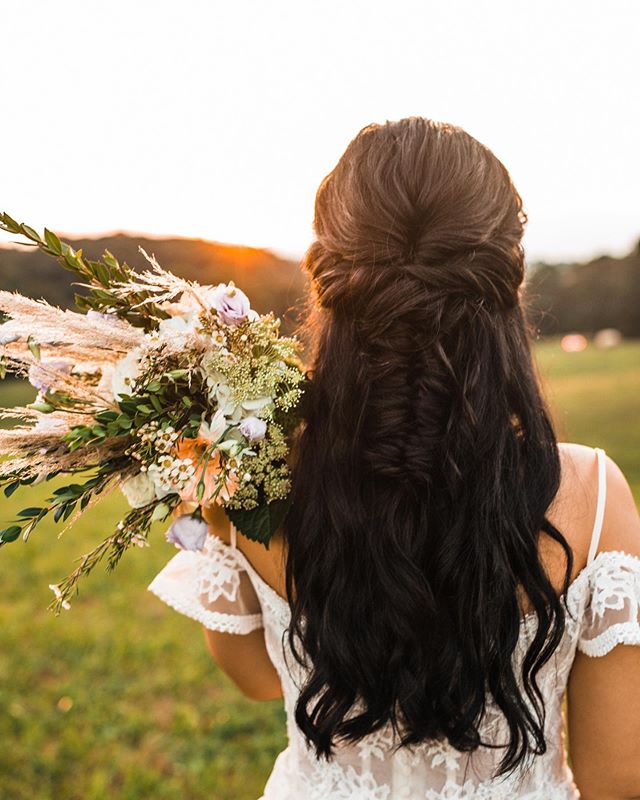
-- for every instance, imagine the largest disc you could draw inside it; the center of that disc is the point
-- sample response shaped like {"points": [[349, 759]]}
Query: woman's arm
{"points": [[242, 657], [246, 661], [604, 691]]}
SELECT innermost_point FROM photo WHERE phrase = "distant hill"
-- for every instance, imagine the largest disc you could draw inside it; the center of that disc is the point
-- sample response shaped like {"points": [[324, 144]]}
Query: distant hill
{"points": [[603, 292], [271, 282]]}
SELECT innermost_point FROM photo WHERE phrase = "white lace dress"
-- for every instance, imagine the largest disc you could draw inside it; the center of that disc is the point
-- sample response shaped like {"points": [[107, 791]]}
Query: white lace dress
{"points": [[219, 588]]}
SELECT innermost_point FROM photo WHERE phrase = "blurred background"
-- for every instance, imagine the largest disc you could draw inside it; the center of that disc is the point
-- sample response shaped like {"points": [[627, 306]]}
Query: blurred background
{"points": [[201, 131]]}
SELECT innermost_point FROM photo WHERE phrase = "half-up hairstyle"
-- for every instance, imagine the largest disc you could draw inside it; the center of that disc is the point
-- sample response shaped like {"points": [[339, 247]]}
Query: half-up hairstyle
{"points": [[427, 458]]}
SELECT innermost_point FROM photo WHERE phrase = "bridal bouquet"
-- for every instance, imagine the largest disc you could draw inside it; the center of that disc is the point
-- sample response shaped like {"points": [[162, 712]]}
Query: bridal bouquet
{"points": [[172, 391]]}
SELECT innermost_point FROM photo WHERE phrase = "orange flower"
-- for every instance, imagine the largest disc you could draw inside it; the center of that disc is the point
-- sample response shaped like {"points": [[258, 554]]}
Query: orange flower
{"points": [[193, 449]]}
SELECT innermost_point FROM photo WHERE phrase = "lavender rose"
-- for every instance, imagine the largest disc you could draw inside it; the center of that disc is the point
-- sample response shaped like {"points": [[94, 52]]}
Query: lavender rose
{"points": [[231, 303], [253, 428], [188, 532]]}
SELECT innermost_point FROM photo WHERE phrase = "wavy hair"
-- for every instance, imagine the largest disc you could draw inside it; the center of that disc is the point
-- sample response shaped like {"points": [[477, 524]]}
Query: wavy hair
{"points": [[426, 458]]}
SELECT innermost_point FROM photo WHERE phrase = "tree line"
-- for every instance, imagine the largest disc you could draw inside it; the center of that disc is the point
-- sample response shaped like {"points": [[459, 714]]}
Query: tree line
{"points": [[559, 298]]}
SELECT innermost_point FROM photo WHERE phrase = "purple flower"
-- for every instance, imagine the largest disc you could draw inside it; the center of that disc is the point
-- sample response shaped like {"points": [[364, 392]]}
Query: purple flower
{"points": [[188, 532], [42, 376], [231, 303], [253, 428]]}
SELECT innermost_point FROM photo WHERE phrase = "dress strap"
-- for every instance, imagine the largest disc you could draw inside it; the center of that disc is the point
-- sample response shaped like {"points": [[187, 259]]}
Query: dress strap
{"points": [[232, 530], [602, 493]]}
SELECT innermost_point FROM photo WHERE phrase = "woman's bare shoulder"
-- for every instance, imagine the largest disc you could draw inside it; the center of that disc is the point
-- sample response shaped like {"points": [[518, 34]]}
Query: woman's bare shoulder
{"points": [[574, 509]]}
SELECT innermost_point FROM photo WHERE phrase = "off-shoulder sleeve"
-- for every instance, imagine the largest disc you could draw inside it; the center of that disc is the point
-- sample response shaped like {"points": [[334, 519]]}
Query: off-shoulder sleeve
{"points": [[211, 587], [612, 605]]}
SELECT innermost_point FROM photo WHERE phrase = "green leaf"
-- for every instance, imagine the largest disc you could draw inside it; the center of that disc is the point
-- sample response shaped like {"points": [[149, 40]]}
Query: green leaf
{"points": [[34, 347], [30, 512], [10, 534], [102, 274], [53, 241], [10, 222], [30, 233], [106, 416], [11, 488], [262, 522], [43, 408], [110, 260], [70, 260]]}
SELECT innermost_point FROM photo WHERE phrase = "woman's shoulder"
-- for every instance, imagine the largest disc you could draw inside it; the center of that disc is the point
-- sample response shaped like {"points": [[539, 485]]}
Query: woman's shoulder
{"points": [[574, 509]]}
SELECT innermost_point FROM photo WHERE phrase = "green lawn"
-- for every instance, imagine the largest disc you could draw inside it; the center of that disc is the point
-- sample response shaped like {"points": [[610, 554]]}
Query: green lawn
{"points": [[118, 697]]}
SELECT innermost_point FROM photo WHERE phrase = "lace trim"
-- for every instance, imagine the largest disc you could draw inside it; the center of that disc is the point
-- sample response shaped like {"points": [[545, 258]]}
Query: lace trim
{"points": [[615, 587], [213, 620], [620, 633], [224, 580], [277, 605]]}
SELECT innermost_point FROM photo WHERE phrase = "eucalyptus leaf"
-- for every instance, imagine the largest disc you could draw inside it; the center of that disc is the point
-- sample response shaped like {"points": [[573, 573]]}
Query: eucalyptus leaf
{"points": [[10, 534]]}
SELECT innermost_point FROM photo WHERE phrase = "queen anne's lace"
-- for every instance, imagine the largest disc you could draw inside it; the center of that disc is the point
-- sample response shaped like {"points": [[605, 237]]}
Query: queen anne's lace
{"points": [[603, 601]]}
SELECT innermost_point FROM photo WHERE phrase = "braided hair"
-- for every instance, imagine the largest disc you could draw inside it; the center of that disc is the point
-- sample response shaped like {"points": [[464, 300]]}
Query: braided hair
{"points": [[427, 458]]}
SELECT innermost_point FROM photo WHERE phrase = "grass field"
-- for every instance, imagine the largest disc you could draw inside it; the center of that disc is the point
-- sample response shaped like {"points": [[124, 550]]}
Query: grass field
{"points": [[117, 698]]}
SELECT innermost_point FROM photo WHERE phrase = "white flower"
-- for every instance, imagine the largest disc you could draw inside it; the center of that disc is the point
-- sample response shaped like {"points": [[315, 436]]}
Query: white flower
{"points": [[253, 428], [222, 393], [56, 590], [139, 490], [212, 431], [257, 403], [125, 374], [230, 446], [180, 325]]}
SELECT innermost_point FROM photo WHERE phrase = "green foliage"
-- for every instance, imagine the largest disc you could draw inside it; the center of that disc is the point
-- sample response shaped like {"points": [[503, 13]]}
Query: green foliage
{"points": [[102, 275], [262, 522]]}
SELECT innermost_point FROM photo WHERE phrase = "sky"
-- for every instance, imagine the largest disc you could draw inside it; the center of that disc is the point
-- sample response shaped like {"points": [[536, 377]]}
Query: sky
{"points": [[218, 120]]}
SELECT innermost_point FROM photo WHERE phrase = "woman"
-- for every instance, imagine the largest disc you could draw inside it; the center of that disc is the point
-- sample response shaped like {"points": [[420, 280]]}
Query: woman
{"points": [[450, 568]]}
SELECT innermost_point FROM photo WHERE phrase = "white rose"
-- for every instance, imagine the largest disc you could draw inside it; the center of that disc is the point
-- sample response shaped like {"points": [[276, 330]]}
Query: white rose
{"points": [[139, 490], [181, 326]]}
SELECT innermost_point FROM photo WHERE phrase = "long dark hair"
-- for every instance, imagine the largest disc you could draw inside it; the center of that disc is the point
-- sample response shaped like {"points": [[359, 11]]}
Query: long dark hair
{"points": [[427, 457]]}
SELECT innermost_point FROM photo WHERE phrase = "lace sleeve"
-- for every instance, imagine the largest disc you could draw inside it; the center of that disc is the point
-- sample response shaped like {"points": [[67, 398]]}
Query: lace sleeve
{"points": [[211, 587], [611, 612]]}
